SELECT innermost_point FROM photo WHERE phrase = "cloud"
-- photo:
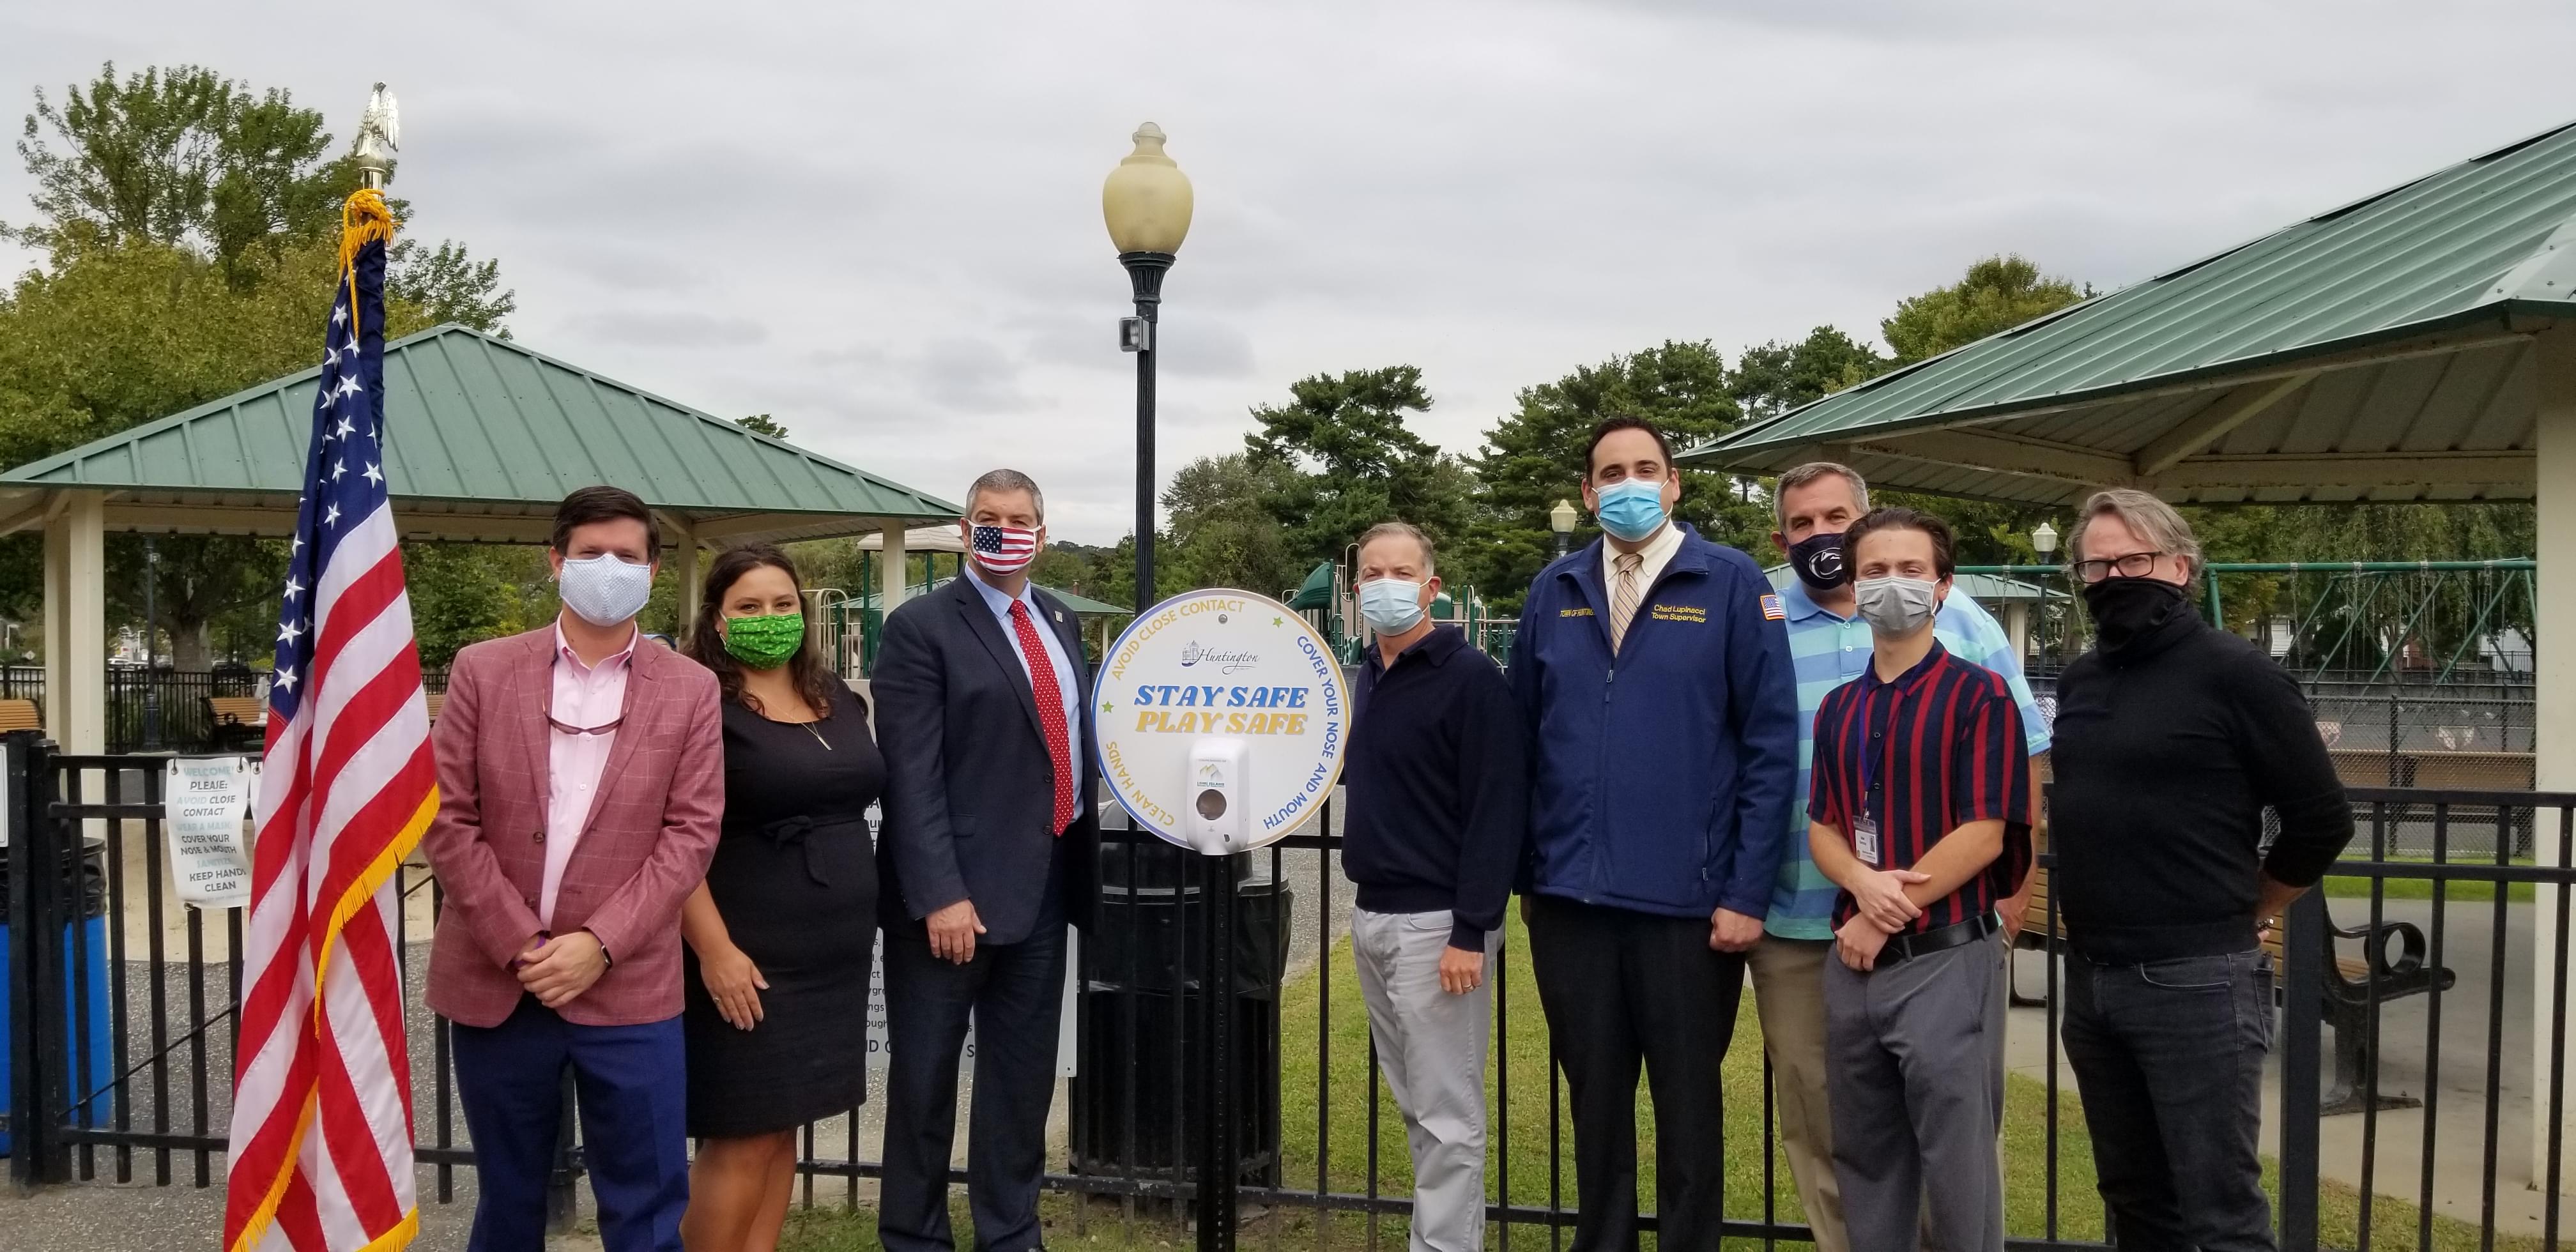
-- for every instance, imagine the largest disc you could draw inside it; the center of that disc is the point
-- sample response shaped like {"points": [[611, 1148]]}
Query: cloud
{"points": [[669, 329], [881, 222]]}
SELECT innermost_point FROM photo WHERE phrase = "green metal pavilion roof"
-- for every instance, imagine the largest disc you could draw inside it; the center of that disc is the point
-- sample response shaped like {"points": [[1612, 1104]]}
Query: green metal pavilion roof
{"points": [[482, 437], [2380, 350]]}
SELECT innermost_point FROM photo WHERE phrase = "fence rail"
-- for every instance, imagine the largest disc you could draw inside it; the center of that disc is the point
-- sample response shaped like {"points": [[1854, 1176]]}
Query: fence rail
{"points": [[122, 1035]]}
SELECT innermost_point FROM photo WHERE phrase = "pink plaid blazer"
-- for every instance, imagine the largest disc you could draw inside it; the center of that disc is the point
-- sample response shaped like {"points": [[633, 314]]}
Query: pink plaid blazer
{"points": [[653, 827]]}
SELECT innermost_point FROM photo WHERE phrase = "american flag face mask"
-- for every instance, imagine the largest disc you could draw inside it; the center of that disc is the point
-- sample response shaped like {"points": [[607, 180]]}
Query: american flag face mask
{"points": [[1004, 549]]}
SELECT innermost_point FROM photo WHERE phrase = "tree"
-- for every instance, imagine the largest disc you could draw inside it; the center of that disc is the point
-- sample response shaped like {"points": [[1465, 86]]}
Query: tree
{"points": [[1534, 458], [1351, 462], [190, 238], [762, 424], [191, 159], [1220, 534], [1772, 379], [1998, 293]]}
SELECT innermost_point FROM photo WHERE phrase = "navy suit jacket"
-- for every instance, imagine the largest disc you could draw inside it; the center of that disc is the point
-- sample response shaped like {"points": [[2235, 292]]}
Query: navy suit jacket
{"points": [[970, 790]]}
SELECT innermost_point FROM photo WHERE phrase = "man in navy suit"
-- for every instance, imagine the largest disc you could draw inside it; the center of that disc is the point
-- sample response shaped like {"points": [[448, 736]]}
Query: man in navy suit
{"points": [[988, 851]]}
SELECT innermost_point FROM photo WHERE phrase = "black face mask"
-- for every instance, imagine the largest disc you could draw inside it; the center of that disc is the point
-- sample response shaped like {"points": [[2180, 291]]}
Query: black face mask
{"points": [[1819, 561], [2126, 610]]}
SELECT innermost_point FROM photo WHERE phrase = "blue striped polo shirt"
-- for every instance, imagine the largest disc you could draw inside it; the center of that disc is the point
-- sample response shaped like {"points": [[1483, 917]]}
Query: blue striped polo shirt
{"points": [[1826, 651]]}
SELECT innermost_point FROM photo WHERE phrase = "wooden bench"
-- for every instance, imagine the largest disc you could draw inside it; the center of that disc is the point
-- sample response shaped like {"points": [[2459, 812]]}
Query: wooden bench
{"points": [[2349, 982], [437, 701], [239, 722], [20, 715]]}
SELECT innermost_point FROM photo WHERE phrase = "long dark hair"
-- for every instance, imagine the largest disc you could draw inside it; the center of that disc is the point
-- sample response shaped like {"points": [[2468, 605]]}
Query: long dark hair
{"points": [[813, 679]]}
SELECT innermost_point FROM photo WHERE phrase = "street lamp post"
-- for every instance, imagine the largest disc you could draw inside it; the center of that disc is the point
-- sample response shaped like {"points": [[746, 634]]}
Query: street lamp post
{"points": [[1561, 520], [1146, 203], [2043, 540], [151, 674]]}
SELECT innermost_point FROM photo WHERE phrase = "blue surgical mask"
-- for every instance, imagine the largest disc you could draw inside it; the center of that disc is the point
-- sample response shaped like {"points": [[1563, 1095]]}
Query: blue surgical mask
{"points": [[1391, 605], [1631, 509]]}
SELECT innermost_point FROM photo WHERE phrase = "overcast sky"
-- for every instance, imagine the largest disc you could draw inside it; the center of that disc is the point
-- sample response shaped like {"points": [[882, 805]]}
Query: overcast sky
{"points": [[881, 223]]}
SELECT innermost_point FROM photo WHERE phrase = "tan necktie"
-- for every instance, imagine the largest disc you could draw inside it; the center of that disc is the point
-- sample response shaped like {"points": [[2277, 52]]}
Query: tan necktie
{"points": [[1623, 595]]}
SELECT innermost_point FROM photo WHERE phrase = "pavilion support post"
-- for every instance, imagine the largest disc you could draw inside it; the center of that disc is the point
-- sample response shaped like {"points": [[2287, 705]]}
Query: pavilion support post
{"points": [[890, 570], [2554, 746], [689, 571], [2017, 629], [76, 623]]}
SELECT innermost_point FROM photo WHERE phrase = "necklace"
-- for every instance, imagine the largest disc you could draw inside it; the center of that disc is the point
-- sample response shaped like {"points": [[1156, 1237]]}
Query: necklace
{"points": [[818, 735]]}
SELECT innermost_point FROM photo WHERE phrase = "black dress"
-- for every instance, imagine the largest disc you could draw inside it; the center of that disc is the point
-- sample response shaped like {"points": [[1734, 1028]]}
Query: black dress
{"points": [[795, 879]]}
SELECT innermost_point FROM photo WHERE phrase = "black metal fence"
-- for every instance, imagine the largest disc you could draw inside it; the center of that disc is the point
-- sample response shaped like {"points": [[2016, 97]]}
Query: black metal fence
{"points": [[165, 710], [1207, 987]]}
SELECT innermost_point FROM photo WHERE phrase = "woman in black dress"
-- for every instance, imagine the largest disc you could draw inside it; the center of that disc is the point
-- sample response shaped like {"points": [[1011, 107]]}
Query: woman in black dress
{"points": [[780, 934]]}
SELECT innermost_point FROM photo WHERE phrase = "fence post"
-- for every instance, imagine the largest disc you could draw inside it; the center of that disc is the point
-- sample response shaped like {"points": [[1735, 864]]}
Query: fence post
{"points": [[561, 1199], [2302, 1024], [37, 990], [1219, 1162]]}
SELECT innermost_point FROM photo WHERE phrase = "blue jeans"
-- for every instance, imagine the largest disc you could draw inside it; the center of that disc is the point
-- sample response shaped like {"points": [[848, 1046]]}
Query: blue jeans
{"points": [[2169, 1058]]}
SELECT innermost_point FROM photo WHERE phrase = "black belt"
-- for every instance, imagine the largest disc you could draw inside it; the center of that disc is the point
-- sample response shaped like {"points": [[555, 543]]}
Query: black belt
{"points": [[1937, 939]]}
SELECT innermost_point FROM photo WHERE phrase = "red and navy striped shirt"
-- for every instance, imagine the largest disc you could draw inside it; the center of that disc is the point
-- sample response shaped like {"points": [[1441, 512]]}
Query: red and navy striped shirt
{"points": [[1946, 749]]}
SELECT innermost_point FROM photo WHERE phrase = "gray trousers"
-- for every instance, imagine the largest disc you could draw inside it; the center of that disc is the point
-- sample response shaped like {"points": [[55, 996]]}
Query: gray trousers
{"points": [[1916, 1085], [1431, 1045]]}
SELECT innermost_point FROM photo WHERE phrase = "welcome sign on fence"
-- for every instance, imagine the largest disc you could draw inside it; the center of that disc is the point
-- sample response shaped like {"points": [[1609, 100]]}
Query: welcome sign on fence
{"points": [[1222, 720], [203, 802]]}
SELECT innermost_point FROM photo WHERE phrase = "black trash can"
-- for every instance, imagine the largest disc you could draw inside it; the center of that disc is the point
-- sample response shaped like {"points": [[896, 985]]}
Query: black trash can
{"points": [[1136, 1108]]}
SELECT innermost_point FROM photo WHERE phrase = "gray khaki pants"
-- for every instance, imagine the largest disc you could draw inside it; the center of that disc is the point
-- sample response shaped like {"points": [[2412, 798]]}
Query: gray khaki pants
{"points": [[1431, 1045], [1916, 1085]]}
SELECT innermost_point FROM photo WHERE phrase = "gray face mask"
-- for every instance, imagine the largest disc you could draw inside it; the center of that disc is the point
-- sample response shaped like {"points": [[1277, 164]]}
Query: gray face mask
{"points": [[1896, 606]]}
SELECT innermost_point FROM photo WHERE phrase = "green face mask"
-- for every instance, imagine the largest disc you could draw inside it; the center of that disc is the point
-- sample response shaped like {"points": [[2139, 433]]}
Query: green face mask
{"points": [[765, 641]]}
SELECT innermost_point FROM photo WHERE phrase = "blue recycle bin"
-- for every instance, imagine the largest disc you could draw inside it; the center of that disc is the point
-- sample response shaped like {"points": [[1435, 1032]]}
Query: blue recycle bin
{"points": [[93, 924]]}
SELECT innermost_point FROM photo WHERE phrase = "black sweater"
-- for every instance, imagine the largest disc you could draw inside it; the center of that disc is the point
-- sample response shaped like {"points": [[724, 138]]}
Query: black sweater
{"points": [[2167, 752], [1438, 786]]}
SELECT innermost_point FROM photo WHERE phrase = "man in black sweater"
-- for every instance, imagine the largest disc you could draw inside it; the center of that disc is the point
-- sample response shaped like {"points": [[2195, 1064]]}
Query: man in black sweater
{"points": [[1437, 809], [2172, 738]]}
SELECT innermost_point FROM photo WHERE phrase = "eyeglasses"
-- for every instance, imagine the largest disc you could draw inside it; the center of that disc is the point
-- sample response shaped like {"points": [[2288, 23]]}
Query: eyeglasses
{"points": [[2131, 565], [546, 704]]}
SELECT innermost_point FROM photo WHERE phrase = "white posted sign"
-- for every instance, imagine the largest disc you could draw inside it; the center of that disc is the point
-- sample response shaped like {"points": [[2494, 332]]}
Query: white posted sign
{"points": [[204, 801], [1222, 718], [879, 1050]]}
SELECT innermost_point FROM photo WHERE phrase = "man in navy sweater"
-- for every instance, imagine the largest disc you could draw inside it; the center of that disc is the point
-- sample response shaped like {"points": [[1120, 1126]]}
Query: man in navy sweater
{"points": [[1653, 670], [1438, 806]]}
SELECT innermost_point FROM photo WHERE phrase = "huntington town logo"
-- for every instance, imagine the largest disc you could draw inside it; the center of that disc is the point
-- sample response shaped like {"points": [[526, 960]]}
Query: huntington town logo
{"points": [[1192, 656]]}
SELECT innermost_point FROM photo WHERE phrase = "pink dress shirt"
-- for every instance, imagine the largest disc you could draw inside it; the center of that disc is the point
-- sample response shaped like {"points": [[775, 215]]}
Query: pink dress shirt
{"points": [[584, 695]]}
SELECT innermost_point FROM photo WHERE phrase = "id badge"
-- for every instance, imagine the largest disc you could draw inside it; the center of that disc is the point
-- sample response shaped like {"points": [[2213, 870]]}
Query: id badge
{"points": [[1865, 841]]}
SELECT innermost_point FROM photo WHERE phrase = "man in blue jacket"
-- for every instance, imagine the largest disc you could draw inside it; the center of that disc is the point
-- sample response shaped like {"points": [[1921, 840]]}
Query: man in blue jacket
{"points": [[1653, 667]]}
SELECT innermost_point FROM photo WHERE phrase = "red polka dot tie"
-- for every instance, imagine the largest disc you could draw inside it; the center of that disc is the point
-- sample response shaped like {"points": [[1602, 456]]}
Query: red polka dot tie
{"points": [[1059, 737]]}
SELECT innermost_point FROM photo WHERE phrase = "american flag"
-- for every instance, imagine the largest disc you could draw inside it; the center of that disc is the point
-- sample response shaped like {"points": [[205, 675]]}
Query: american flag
{"points": [[1005, 547], [321, 1130]]}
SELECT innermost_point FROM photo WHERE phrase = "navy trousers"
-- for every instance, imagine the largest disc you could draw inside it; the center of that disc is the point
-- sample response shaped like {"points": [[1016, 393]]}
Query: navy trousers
{"points": [[631, 1084]]}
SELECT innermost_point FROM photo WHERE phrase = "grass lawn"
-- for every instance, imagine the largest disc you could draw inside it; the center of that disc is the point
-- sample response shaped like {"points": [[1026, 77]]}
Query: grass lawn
{"points": [[2455, 892], [1347, 1090]]}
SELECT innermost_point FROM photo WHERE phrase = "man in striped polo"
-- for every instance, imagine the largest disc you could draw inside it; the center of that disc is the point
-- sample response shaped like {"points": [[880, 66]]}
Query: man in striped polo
{"points": [[1920, 814], [1829, 645]]}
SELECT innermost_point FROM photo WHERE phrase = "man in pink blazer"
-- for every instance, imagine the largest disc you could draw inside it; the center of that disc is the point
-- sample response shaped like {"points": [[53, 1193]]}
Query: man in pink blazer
{"points": [[581, 781]]}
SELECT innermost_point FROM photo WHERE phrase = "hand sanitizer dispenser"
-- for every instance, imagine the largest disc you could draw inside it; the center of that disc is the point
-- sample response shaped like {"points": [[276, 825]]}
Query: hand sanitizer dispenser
{"points": [[1219, 820]]}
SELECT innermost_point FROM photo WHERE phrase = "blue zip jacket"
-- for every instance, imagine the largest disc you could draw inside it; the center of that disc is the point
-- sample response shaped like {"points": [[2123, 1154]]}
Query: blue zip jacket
{"points": [[1664, 774]]}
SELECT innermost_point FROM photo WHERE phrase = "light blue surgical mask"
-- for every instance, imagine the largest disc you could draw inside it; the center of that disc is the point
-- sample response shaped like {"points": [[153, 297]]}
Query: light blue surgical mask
{"points": [[1391, 605], [1631, 509]]}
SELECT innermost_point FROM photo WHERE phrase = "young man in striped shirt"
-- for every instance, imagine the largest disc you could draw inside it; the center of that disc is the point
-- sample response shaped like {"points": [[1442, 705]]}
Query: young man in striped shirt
{"points": [[1829, 645], [1921, 815]]}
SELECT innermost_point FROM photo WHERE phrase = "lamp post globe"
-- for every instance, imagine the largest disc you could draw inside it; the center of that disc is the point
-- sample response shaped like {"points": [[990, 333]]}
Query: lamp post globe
{"points": [[2043, 540], [1561, 520], [1146, 203]]}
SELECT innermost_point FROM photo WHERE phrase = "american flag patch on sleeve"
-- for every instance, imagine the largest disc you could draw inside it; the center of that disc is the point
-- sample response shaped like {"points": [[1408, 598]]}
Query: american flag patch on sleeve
{"points": [[1771, 610]]}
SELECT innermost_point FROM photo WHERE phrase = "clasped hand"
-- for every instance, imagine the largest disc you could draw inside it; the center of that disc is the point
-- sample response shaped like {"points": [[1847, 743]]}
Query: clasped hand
{"points": [[559, 969]]}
